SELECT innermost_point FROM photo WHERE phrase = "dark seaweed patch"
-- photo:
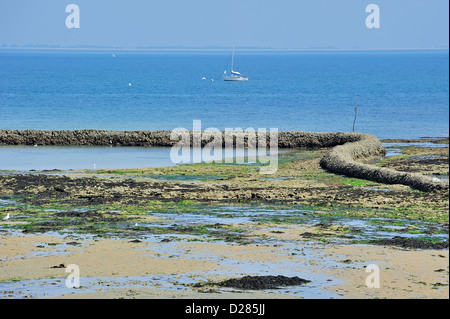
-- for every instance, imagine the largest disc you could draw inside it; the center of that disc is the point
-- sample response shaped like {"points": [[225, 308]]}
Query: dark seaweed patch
{"points": [[412, 243], [259, 282]]}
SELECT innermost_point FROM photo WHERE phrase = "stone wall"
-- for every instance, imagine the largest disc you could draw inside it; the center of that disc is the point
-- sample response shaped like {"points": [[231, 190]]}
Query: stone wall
{"points": [[346, 149]]}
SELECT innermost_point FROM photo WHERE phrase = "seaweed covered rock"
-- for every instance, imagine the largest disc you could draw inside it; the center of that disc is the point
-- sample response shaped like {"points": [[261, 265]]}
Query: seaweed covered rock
{"points": [[342, 160]]}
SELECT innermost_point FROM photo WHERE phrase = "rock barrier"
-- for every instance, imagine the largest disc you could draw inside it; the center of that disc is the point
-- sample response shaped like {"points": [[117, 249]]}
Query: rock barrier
{"points": [[346, 149], [342, 160]]}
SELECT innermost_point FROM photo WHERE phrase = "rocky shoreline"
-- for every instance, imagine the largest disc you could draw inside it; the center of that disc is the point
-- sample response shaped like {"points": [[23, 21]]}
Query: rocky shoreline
{"points": [[162, 138], [347, 148], [342, 160]]}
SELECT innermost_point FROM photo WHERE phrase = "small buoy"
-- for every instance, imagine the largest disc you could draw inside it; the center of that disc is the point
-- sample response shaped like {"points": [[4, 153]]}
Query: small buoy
{"points": [[212, 80], [129, 84]]}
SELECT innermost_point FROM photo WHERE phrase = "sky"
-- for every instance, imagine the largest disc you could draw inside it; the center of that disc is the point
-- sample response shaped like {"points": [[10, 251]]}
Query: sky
{"points": [[279, 24]]}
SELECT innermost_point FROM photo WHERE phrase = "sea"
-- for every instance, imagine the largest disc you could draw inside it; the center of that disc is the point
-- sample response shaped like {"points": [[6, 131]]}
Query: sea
{"points": [[396, 94]]}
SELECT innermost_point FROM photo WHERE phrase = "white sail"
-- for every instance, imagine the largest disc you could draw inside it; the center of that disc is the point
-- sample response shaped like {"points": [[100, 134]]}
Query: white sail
{"points": [[235, 76]]}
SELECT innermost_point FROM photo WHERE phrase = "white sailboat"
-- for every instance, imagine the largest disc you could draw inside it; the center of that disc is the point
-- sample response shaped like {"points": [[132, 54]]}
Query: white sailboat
{"points": [[234, 76]]}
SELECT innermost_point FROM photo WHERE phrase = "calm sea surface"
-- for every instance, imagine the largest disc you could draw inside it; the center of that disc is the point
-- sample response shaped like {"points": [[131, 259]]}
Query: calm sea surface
{"points": [[400, 94], [75, 157]]}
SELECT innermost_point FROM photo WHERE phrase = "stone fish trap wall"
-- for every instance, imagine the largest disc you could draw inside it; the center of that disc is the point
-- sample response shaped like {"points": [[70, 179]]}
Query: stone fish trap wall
{"points": [[342, 160], [347, 148]]}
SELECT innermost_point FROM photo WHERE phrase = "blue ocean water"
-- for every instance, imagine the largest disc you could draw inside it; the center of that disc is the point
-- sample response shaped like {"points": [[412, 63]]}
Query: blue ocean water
{"points": [[81, 157], [40, 157], [400, 94]]}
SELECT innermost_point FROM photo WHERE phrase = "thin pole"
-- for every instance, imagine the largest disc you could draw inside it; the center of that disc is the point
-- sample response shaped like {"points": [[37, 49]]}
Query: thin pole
{"points": [[232, 60], [356, 113]]}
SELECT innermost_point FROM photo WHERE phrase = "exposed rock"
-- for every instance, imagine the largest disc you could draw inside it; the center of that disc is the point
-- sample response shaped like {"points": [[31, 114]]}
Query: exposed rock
{"points": [[347, 148], [263, 282], [342, 160]]}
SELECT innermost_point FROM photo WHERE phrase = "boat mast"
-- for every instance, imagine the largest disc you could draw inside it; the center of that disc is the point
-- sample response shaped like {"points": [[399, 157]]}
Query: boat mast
{"points": [[232, 60]]}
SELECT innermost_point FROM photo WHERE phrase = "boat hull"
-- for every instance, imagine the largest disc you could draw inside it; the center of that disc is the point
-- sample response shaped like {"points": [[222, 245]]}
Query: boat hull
{"points": [[235, 78]]}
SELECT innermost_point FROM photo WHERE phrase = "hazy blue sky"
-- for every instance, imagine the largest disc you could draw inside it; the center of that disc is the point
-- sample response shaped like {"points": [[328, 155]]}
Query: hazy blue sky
{"points": [[244, 23]]}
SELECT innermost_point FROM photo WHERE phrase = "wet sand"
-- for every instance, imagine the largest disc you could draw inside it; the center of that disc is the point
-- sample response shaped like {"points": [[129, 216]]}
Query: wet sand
{"points": [[403, 273], [187, 235]]}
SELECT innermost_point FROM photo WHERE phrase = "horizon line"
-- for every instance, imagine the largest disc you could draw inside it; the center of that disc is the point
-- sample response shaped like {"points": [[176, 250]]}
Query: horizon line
{"points": [[218, 49]]}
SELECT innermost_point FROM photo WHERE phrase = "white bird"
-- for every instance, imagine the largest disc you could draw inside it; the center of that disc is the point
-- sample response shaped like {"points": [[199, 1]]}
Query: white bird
{"points": [[136, 225], [7, 217]]}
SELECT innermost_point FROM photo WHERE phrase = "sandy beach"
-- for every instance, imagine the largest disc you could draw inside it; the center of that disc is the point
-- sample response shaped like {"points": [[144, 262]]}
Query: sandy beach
{"points": [[404, 273]]}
